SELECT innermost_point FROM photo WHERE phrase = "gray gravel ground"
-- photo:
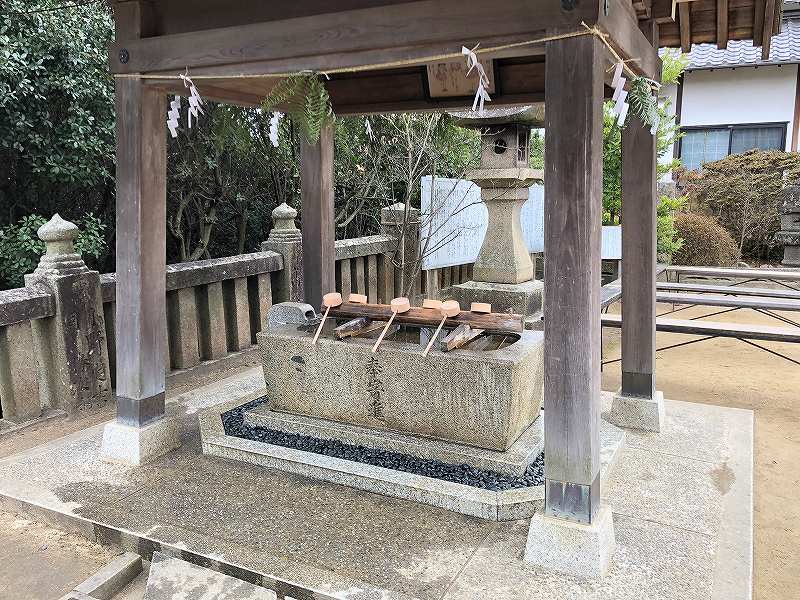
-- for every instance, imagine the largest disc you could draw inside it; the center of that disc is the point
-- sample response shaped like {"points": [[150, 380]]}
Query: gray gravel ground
{"points": [[234, 424]]}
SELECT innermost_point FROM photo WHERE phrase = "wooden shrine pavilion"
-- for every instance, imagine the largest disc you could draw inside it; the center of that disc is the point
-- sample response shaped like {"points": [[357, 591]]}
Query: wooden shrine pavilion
{"points": [[375, 53]]}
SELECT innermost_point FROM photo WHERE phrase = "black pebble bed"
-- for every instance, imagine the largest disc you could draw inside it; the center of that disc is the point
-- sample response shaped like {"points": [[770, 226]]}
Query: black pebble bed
{"points": [[233, 422]]}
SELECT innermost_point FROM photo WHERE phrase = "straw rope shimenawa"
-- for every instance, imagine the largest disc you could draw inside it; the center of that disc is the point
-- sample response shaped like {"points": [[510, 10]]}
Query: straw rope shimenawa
{"points": [[595, 31]]}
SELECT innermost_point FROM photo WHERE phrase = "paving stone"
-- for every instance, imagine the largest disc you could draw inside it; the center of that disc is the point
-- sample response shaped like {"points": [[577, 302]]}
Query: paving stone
{"points": [[172, 578]]}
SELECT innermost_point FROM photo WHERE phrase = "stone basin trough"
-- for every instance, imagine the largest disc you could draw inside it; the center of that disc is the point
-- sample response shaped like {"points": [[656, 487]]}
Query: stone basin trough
{"points": [[460, 429], [483, 398]]}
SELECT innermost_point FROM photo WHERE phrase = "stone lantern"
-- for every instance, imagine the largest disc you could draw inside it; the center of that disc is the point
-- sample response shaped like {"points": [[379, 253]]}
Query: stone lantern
{"points": [[789, 235], [503, 271]]}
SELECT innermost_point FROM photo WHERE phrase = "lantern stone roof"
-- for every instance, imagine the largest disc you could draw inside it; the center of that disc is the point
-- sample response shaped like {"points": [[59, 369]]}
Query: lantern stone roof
{"points": [[532, 115]]}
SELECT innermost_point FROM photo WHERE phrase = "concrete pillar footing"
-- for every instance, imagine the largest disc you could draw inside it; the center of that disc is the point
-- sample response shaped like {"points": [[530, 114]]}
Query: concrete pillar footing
{"points": [[636, 412], [140, 445], [573, 548]]}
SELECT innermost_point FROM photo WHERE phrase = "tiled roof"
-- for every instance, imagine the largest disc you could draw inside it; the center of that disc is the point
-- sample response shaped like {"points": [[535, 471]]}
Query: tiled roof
{"points": [[785, 48]]}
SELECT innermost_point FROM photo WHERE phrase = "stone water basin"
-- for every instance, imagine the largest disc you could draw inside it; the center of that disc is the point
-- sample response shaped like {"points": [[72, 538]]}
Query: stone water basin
{"points": [[480, 397]]}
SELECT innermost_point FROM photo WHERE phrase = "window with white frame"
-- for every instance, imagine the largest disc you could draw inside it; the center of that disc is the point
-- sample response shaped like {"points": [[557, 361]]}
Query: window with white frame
{"points": [[700, 145]]}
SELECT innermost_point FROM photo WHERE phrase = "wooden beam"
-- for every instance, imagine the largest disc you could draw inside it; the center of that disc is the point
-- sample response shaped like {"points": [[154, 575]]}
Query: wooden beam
{"points": [[316, 191], [141, 318], [739, 331], [572, 217], [722, 24], [352, 37], [776, 18], [638, 259], [796, 115], [650, 28], [133, 19], [759, 10], [685, 19], [769, 15], [628, 40]]}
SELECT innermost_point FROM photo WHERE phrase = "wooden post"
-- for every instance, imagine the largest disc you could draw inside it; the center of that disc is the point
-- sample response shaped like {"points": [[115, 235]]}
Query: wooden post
{"points": [[316, 189], [638, 259], [572, 221], [141, 318]]}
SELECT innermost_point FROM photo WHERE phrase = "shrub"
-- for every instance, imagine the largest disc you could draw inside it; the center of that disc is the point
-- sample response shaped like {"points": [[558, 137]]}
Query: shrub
{"points": [[743, 191], [669, 242], [705, 242], [20, 247]]}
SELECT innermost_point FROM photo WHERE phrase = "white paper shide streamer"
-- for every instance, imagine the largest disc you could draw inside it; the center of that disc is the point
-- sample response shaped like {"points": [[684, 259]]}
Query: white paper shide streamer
{"points": [[274, 122], [368, 129], [481, 94], [173, 116], [620, 95], [195, 107]]}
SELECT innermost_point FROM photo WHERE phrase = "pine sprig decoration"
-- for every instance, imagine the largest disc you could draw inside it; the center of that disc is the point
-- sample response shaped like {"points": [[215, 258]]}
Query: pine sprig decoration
{"points": [[304, 98], [642, 101]]}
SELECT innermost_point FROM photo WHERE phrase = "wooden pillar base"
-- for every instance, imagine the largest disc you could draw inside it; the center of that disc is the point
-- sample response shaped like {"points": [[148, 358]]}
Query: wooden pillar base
{"points": [[638, 384], [577, 549], [572, 501], [138, 412]]}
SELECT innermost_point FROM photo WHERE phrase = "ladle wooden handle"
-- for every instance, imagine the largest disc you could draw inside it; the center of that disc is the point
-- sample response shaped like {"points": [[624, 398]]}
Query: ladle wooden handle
{"points": [[383, 333], [435, 335], [321, 323]]}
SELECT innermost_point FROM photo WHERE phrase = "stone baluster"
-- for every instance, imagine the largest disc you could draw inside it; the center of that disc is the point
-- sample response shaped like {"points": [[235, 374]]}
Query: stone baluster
{"points": [[286, 239], [70, 346]]}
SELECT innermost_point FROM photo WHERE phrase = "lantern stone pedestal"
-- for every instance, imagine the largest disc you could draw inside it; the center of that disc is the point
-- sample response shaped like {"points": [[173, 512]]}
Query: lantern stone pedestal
{"points": [[503, 274], [789, 235], [519, 298]]}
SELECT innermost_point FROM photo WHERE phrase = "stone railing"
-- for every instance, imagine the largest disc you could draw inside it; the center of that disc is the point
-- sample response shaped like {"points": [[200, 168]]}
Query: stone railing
{"points": [[19, 384], [57, 334], [58, 338], [370, 265], [214, 308]]}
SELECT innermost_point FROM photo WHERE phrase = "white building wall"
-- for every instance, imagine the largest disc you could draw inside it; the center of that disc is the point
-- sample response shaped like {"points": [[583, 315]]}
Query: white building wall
{"points": [[740, 95]]}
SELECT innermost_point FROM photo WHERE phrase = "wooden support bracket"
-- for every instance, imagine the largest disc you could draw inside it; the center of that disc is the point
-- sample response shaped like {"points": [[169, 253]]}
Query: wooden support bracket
{"points": [[460, 336], [358, 326], [491, 323]]}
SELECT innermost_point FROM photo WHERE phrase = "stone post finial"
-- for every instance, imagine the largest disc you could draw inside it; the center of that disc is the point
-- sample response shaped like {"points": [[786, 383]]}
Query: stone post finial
{"points": [[71, 345], [283, 217], [58, 235], [287, 240], [60, 257]]}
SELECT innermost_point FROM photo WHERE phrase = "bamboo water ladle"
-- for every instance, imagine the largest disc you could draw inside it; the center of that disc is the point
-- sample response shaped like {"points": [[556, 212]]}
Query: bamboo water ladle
{"points": [[448, 308], [328, 301], [398, 305]]}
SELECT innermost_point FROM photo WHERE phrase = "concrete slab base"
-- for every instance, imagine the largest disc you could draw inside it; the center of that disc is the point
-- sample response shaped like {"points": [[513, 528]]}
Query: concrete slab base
{"points": [[519, 298], [681, 501], [572, 548], [634, 412], [513, 461], [140, 445], [506, 505]]}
